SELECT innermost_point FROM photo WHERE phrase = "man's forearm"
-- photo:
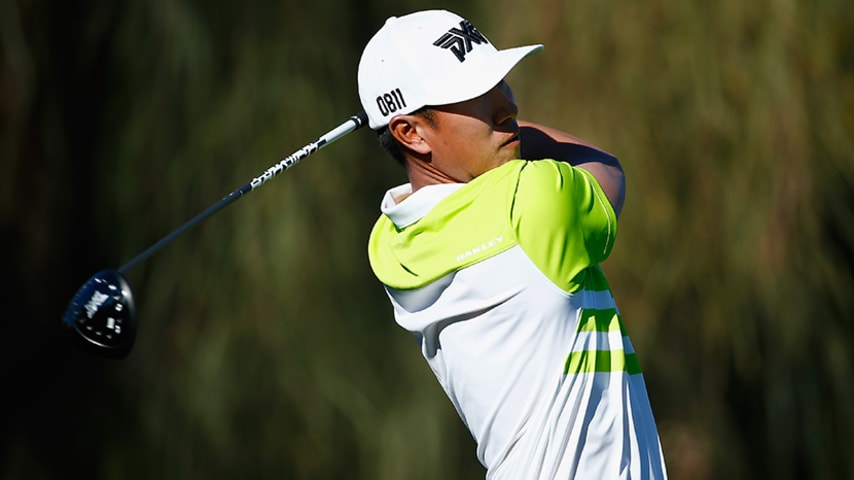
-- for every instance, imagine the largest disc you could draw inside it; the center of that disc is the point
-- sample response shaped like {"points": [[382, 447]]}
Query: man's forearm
{"points": [[540, 141]]}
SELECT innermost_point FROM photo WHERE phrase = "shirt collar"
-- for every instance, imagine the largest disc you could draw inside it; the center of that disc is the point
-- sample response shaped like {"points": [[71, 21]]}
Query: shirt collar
{"points": [[416, 205]]}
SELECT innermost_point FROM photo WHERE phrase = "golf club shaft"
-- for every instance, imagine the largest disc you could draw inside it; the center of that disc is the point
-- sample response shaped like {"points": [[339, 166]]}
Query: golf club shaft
{"points": [[352, 124]]}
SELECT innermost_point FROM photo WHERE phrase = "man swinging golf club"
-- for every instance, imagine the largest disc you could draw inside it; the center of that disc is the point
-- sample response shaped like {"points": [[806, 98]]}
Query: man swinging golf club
{"points": [[490, 256]]}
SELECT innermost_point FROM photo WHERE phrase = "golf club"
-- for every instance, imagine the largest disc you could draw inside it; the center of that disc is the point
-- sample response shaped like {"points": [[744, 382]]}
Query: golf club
{"points": [[102, 314]]}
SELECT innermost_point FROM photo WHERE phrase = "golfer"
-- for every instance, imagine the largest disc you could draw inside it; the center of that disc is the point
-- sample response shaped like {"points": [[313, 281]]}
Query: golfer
{"points": [[490, 256]]}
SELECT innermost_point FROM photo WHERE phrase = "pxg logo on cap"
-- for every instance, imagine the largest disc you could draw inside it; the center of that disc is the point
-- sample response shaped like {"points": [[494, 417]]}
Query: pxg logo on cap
{"points": [[460, 40]]}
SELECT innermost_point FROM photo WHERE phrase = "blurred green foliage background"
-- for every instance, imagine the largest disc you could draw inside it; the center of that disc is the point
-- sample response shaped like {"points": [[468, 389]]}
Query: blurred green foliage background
{"points": [[267, 349]]}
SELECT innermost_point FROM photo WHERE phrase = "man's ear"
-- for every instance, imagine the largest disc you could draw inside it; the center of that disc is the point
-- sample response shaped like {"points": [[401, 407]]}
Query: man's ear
{"points": [[407, 130]]}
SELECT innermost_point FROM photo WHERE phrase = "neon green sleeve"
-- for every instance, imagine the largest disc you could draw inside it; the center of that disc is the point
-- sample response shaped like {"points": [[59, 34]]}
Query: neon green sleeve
{"points": [[563, 221]]}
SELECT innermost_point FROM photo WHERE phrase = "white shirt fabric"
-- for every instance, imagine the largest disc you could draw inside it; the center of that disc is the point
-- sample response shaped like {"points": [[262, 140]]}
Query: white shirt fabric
{"points": [[522, 378]]}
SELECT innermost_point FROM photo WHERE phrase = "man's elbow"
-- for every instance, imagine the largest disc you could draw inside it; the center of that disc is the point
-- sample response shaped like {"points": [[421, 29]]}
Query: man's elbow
{"points": [[618, 195], [609, 173]]}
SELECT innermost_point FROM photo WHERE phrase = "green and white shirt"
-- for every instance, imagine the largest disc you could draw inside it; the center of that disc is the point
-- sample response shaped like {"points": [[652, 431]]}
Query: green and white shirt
{"points": [[499, 280]]}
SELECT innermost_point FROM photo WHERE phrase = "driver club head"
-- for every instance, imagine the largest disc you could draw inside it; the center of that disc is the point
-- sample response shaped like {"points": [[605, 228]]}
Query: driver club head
{"points": [[102, 315]]}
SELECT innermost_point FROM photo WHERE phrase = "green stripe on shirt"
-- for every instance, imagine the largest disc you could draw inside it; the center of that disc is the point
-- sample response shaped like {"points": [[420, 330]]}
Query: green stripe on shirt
{"points": [[593, 361], [605, 320], [602, 361]]}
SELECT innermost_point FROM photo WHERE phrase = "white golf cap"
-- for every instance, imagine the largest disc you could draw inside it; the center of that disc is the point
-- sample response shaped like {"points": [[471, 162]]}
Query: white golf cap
{"points": [[429, 58]]}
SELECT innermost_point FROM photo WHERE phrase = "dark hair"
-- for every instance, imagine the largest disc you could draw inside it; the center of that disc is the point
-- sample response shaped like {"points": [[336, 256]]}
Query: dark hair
{"points": [[391, 145]]}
